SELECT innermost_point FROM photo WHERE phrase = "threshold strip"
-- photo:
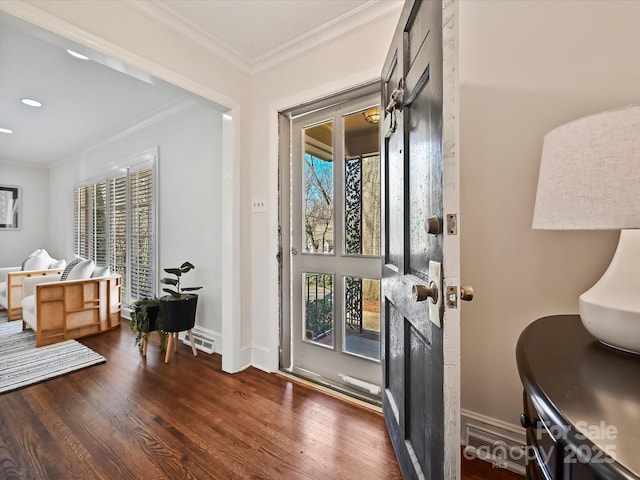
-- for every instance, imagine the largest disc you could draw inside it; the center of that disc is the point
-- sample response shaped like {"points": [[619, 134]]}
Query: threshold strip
{"points": [[332, 390]]}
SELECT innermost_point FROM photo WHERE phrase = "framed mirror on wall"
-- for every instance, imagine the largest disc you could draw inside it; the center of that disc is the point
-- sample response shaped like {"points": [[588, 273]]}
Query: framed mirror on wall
{"points": [[9, 207]]}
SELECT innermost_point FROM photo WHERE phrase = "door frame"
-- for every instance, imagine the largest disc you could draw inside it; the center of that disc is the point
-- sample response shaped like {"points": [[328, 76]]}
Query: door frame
{"points": [[451, 244], [284, 210]]}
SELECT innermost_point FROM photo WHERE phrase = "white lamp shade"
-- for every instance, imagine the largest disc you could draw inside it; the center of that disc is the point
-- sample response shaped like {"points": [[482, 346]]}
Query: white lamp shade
{"points": [[590, 173]]}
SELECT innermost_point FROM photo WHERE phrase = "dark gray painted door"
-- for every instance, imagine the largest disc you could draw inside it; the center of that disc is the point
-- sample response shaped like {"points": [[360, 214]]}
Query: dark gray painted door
{"points": [[412, 163]]}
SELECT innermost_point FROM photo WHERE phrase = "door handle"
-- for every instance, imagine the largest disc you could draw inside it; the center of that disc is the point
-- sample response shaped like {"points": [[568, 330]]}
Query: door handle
{"points": [[434, 225], [294, 251], [421, 292]]}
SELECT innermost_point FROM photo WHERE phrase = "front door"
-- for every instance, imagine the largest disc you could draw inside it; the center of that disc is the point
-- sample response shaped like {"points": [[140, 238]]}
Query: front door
{"points": [[421, 414], [334, 247]]}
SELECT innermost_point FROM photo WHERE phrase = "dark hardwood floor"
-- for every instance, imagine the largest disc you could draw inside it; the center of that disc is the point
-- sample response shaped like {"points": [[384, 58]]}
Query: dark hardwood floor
{"points": [[132, 418], [474, 469]]}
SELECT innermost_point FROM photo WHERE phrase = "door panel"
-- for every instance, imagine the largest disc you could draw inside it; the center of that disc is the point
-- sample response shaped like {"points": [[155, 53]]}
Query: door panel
{"points": [[335, 247], [413, 165]]}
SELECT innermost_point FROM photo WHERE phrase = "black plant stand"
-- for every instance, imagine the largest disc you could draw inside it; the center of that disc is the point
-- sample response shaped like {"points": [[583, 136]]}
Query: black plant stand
{"points": [[173, 340], [179, 315]]}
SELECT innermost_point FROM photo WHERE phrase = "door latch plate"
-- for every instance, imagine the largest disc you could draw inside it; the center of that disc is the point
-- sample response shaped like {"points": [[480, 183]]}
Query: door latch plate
{"points": [[452, 224], [452, 296]]}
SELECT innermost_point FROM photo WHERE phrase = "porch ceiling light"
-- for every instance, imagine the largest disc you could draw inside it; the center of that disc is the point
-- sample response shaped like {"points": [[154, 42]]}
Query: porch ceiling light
{"points": [[372, 115]]}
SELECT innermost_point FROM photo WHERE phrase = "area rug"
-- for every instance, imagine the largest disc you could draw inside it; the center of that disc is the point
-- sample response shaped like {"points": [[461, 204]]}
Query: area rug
{"points": [[22, 364]]}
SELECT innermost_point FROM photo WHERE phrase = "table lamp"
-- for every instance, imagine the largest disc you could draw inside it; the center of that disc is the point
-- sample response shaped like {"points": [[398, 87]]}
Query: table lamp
{"points": [[590, 180]]}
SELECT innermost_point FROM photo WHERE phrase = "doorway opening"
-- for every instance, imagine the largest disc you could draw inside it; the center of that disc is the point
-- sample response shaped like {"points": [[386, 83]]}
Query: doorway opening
{"points": [[330, 243]]}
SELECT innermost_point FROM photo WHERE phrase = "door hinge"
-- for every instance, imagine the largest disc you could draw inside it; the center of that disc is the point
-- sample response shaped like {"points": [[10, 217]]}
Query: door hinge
{"points": [[452, 296], [452, 224]]}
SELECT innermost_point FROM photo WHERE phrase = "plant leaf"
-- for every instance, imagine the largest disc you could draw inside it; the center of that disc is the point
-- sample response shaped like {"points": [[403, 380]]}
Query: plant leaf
{"points": [[169, 281], [191, 289], [174, 271], [172, 292], [186, 266]]}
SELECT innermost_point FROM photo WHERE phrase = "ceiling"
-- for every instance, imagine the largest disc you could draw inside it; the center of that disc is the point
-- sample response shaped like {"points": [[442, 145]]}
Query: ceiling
{"points": [[86, 102]]}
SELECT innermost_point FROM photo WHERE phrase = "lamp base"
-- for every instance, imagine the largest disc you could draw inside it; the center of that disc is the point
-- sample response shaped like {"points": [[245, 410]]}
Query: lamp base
{"points": [[610, 310]]}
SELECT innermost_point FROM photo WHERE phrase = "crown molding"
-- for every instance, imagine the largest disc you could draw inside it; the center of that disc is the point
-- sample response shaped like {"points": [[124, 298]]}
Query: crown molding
{"points": [[369, 13], [168, 18]]}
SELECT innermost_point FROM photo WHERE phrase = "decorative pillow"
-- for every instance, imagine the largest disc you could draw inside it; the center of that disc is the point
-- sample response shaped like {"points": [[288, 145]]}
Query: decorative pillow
{"points": [[57, 264], [99, 271], [69, 267], [80, 271], [38, 260], [33, 254]]}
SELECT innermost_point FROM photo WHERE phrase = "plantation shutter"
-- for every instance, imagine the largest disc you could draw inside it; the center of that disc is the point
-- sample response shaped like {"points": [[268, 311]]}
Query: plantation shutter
{"points": [[90, 229], [98, 202], [141, 227], [114, 225], [118, 230], [81, 222]]}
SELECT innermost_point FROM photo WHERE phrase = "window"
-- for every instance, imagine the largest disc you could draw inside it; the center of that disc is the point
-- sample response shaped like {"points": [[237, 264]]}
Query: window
{"points": [[114, 225]]}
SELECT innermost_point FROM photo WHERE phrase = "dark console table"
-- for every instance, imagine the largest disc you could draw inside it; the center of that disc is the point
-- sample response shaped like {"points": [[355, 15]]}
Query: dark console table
{"points": [[581, 403]]}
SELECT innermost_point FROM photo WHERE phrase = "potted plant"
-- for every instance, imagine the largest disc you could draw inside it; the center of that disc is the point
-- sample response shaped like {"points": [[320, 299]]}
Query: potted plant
{"points": [[178, 308], [146, 318]]}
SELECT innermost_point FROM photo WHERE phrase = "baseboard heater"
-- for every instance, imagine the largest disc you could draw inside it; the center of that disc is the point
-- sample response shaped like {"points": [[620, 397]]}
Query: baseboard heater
{"points": [[496, 449], [203, 343], [361, 384]]}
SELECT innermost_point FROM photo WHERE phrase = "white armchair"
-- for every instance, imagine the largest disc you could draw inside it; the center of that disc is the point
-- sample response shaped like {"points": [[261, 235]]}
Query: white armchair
{"points": [[39, 263]]}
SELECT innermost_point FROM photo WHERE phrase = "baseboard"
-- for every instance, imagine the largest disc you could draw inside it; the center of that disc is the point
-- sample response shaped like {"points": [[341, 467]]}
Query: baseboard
{"points": [[245, 357], [262, 358], [500, 443]]}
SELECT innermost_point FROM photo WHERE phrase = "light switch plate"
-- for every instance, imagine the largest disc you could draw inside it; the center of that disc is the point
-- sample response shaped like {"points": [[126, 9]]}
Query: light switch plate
{"points": [[258, 205], [435, 309]]}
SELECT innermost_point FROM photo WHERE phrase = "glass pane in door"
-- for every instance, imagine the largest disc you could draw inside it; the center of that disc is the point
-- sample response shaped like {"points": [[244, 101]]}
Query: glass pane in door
{"points": [[318, 189], [362, 183], [318, 309], [362, 317]]}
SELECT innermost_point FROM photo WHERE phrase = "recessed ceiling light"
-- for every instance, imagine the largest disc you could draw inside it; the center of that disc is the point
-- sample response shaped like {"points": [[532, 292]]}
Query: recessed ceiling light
{"points": [[31, 102], [77, 55], [5, 130]]}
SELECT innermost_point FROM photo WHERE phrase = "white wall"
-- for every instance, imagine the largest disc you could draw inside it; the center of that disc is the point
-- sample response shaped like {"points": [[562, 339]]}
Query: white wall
{"points": [[16, 245], [338, 65], [525, 68], [189, 196]]}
